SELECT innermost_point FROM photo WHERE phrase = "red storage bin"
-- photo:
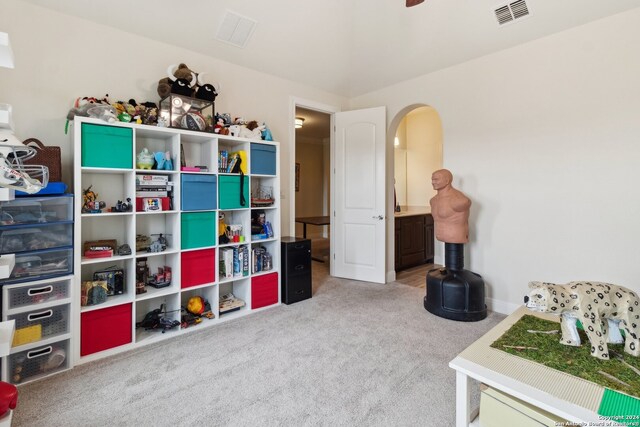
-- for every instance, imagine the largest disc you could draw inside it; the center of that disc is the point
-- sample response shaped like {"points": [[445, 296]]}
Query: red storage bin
{"points": [[105, 328], [264, 290], [198, 267]]}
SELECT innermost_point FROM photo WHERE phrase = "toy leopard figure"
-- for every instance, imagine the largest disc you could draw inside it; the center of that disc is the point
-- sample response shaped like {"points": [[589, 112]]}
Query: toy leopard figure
{"points": [[591, 303]]}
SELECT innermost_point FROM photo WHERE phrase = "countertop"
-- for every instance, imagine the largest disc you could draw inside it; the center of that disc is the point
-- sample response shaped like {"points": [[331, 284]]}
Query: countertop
{"points": [[412, 210]]}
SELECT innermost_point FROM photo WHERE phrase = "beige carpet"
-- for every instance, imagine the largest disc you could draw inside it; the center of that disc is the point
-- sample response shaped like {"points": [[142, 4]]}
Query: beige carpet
{"points": [[355, 354]]}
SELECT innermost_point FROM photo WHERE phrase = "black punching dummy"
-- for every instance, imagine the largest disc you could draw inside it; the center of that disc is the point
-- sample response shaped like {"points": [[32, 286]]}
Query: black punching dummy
{"points": [[453, 292]]}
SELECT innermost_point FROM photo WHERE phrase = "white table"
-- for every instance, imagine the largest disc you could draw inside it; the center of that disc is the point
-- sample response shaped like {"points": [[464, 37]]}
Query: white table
{"points": [[564, 395]]}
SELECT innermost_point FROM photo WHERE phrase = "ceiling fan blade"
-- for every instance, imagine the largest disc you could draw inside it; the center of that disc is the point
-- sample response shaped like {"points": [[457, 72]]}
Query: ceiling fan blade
{"points": [[413, 2]]}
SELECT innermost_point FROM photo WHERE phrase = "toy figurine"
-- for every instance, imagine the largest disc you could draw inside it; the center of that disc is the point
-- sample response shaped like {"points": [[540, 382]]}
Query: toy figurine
{"points": [[159, 245], [90, 204], [145, 159], [602, 308], [122, 206]]}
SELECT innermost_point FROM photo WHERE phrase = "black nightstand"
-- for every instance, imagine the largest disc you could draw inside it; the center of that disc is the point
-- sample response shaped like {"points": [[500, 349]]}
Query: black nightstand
{"points": [[295, 281]]}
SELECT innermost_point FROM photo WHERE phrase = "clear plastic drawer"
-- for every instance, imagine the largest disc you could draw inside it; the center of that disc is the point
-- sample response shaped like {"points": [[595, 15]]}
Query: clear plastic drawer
{"points": [[36, 210], [34, 238], [38, 362], [40, 324], [41, 265], [29, 295]]}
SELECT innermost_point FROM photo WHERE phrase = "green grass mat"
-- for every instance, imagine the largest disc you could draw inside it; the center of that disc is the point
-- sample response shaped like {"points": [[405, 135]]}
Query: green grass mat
{"points": [[572, 360], [620, 408]]}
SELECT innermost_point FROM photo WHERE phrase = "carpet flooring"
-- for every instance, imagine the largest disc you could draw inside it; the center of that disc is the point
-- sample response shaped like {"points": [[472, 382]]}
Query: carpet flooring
{"points": [[355, 354]]}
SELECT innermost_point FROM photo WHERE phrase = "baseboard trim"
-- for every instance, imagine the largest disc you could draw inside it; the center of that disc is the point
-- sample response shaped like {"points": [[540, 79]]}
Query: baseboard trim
{"points": [[502, 307], [391, 276]]}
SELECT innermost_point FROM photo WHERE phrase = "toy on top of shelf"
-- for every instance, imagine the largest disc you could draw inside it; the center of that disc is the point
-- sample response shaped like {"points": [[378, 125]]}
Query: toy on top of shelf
{"points": [[90, 203], [163, 160], [123, 206], [82, 106], [266, 132], [145, 159], [124, 249], [142, 242], [251, 130], [174, 73], [161, 279], [103, 112], [157, 319], [160, 244], [206, 91], [200, 307]]}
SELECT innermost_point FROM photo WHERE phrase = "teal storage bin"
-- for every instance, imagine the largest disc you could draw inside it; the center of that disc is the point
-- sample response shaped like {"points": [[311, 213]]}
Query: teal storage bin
{"points": [[198, 192], [263, 159], [198, 229], [107, 146], [229, 192]]}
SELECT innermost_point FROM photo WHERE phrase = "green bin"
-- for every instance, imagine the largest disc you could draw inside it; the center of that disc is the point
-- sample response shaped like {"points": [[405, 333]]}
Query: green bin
{"points": [[107, 146], [229, 192], [198, 229]]}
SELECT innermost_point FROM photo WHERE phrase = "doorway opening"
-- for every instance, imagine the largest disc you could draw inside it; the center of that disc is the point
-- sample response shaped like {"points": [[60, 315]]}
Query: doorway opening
{"points": [[416, 132], [312, 180]]}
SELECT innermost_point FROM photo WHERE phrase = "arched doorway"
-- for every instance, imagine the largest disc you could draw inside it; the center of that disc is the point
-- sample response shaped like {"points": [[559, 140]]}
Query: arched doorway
{"points": [[416, 136]]}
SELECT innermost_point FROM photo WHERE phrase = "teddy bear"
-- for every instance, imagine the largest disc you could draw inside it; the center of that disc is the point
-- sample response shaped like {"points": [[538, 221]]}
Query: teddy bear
{"points": [[174, 73]]}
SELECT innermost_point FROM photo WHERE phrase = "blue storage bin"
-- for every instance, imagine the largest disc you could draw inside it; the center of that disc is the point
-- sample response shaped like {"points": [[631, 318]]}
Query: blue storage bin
{"points": [[263, 159], [198, 192]]}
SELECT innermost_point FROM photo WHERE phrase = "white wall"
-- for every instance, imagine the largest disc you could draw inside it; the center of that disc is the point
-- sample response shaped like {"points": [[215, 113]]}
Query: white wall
{"points": [[424, 154], [543, 138], [59, 58]]}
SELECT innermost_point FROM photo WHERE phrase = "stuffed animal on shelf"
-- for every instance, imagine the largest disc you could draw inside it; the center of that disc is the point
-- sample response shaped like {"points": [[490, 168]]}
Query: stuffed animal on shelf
{"points": [[82, 106], [174, 72], [180, 80], [206, 91], [103, 112], [602, 308], [251, 130], [266, 133]]}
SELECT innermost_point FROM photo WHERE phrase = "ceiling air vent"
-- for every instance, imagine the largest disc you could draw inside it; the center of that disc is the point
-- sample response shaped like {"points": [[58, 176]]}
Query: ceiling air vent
{"points": [[235, 29], [511, 11]]}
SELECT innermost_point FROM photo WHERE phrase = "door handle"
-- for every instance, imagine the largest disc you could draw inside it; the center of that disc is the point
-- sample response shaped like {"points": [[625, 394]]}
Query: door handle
{"points": [[378, 217]]}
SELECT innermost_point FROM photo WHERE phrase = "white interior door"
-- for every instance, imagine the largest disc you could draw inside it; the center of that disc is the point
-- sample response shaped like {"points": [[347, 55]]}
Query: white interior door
{"points": [[358, 224]]}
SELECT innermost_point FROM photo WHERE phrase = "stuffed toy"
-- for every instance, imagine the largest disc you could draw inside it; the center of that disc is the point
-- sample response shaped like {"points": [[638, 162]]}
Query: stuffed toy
{"points": [[206, 91], [81, 108], [266, 133], [180, 80], [103, 112]]}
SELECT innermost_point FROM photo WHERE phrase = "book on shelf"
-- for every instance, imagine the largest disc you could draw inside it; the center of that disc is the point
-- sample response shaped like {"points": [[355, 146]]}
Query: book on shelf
{"points": [[152, 193]]}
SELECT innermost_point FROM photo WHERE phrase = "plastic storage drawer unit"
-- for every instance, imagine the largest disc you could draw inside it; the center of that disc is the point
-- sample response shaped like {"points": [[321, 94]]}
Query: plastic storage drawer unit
{"points": [[198, 267], [36, 210], [107, 146], [198, 192], [264, 290], [19, 296], [229, 192], [37, 362], [41, 265], [23, 238], [40, 324], [263, 159], [198, 229], [105, 328]]}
